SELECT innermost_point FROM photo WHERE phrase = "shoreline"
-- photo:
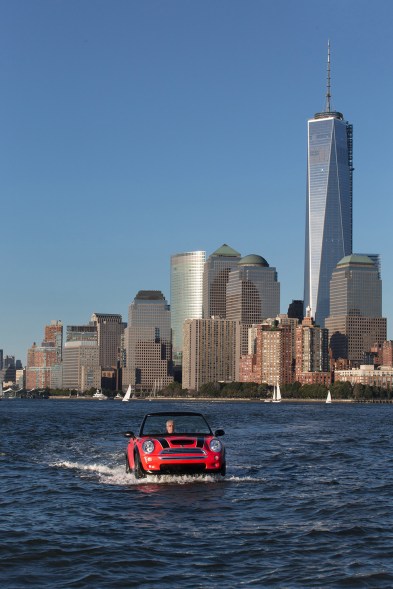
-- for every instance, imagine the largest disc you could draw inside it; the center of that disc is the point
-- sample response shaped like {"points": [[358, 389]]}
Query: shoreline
{"points": [[212, 400]]}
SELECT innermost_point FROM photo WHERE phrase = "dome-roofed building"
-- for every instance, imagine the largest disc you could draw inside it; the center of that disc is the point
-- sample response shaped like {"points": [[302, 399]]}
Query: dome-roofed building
{"points": [[253, 260], [215, 277], [355, 322], [253, 294]]}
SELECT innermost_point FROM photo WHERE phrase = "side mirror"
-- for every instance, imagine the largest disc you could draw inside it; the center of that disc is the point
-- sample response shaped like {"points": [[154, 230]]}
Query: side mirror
{"points": [[219, 432], [129, 434]]}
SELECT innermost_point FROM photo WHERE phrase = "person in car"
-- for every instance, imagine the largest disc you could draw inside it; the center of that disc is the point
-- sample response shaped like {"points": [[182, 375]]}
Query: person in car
{"points": [[170, 426]]}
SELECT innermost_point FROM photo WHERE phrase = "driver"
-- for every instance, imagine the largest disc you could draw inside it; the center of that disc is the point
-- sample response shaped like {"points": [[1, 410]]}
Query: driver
{"points": [[170, 426]]}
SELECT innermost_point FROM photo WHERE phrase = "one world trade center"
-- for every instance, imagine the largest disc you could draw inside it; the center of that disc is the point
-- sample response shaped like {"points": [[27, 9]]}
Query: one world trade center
{"points": [[329, 204]]}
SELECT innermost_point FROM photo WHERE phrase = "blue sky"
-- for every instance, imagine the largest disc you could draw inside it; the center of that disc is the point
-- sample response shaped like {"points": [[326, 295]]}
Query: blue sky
{"points": [[133, 130]]}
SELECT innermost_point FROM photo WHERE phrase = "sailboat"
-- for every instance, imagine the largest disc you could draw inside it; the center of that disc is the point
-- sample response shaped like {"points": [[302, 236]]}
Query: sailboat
{"points": [[127, 396], [329, 398], [277, 395]]}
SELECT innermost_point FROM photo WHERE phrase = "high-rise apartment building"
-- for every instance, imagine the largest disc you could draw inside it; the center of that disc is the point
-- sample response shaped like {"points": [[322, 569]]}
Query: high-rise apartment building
{"points": [[355, 323], [329, 204], [109, 329], [186, 295], [209, 352], [312, 354], [215, 278], [41, 360], [271, 362], [148, 342]]}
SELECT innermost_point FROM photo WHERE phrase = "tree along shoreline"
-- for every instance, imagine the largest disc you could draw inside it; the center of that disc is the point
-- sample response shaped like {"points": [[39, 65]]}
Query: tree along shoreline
{"points": [[340, 391]]}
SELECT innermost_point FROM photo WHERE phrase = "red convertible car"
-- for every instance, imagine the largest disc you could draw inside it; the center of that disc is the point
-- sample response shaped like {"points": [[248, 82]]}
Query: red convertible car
{"points": [[175, 443]]}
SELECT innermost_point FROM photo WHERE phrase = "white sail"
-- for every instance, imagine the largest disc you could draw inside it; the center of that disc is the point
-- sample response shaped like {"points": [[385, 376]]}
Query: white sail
{"points": [[127, 396], [1, 389], [329, 398], [277, 394]]}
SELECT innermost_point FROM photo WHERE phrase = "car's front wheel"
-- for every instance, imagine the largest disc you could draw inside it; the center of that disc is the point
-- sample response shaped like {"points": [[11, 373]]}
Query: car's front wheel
{"points": [[138, 470], [128, 469], [223, 470]]}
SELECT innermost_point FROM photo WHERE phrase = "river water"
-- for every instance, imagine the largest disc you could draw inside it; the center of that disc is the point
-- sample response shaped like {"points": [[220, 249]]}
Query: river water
{"points": [[307, 500]]}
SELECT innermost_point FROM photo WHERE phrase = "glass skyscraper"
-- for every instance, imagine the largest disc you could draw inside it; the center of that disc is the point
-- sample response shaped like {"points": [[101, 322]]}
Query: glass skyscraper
{"points": [[329, 204], [186, 295]]}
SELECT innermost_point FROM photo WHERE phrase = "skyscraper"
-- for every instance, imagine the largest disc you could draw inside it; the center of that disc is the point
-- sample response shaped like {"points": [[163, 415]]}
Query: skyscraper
{"points": [[148, 342], [109, 329], [355, 322], [215, 278], [186, 295], [209, 352], [329, 204]]}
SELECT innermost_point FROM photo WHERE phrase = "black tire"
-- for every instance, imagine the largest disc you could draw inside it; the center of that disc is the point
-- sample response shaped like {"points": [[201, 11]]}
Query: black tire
{"points": [[128, 469], [138, 470], [223, 470]]}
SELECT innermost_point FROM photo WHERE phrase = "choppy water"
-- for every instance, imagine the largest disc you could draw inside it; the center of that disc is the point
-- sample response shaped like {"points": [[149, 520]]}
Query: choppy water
{"points": [[307, 501]]}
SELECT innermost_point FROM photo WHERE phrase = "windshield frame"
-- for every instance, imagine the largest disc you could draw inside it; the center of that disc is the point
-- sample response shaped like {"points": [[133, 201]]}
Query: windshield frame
{"points": [[175, 416]]}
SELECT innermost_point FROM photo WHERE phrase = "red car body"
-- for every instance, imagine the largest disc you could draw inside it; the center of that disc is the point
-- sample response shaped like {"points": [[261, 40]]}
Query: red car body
{"points": [[192, 448]]}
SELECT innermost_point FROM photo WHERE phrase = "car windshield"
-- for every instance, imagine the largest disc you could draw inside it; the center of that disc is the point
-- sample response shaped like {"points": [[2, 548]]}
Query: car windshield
{"points": [[174, 424]]}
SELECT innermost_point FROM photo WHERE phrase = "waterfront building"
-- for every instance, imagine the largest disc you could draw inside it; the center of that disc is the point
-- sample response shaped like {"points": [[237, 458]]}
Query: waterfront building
{"points": [[381, 377], [148, 342], [81, 367], [272, 361], [355, 323], [329, 204], [387, 353], [186, 295], [209, 352], [215, 277], [109, 329], [1, 359], [312, 354], [42, 359]]}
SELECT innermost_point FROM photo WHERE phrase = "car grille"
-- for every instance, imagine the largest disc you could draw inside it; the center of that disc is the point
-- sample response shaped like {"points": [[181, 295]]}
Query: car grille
{"points": [[182, 454]]}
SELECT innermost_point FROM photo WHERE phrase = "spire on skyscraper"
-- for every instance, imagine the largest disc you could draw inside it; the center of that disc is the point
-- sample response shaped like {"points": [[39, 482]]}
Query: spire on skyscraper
{"points": [[328, 95]]}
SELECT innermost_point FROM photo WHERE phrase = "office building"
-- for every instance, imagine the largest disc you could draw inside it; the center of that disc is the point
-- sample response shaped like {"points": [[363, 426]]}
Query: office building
{"points": [[208, 352], [81, 367], [215, 278], [186, 295], [148, 342], [355, 323], [252, 294], [109, 329], [329, 204]]}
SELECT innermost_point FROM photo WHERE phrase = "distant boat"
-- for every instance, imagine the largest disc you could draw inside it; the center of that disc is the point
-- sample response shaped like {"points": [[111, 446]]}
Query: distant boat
{"points": [[329, 398], [277, 395], [127, 396], [100, 396], [118, 397]]}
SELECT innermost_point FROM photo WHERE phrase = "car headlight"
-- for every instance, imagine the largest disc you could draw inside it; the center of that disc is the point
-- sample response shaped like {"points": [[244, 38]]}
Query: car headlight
{"points": [[148, 446], [215, 445]]}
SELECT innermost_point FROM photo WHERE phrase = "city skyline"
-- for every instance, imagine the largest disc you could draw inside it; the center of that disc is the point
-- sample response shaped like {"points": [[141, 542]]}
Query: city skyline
{"points": [[185, 129]]}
